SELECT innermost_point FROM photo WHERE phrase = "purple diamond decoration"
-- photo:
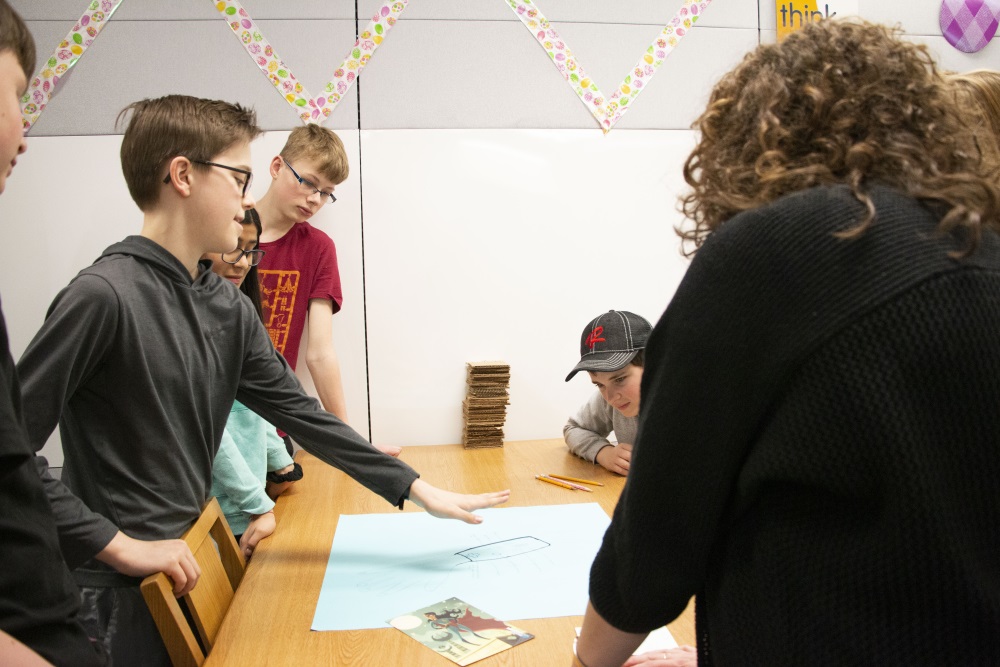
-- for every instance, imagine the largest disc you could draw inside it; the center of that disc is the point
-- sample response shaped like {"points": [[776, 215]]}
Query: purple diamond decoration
{"points": [[969, 25]]}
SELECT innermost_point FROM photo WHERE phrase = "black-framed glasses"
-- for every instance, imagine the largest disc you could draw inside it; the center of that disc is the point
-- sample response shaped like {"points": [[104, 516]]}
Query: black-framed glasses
{"points": [[246, 183], [309, 187], [234, 256]]}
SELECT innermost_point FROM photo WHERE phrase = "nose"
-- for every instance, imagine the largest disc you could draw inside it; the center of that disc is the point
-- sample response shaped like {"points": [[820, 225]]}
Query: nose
{"points": [[248, 201], [318, 197], [23, 147], [244, 263]]}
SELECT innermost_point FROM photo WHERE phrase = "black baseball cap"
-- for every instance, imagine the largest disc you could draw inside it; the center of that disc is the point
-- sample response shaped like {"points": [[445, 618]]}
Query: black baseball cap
{"points": [[611, 341]]}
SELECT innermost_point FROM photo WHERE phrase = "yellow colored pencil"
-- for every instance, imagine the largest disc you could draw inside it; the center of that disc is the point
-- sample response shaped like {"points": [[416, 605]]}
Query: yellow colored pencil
{"points": [[574, 479], [564, 485]]}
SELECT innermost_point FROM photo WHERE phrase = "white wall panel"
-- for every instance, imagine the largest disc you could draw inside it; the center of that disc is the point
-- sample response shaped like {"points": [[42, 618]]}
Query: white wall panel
{"points": [[950, 58], [502, 245], [66, 202], [920, 18]]}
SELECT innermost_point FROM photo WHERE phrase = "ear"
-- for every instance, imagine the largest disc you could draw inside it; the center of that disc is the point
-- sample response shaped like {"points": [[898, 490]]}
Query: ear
{"points": [[181, 172], [276, 164]]}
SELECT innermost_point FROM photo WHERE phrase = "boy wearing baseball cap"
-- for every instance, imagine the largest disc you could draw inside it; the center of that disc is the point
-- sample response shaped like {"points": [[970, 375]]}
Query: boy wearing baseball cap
{"points": [[611, 351]]}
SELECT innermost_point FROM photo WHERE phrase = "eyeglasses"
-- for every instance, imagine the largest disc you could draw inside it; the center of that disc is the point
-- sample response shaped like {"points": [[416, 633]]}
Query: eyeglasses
{"points": [[308, 186], [245, 184], [234, 256]]}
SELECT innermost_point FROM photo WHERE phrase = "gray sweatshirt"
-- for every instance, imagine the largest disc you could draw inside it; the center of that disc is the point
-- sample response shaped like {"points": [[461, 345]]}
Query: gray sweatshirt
{"points": [[586, 433], [139, 366]]}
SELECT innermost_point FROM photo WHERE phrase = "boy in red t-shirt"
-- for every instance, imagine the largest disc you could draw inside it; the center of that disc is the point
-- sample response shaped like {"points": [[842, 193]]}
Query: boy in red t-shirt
{"points": [[300, 281]]}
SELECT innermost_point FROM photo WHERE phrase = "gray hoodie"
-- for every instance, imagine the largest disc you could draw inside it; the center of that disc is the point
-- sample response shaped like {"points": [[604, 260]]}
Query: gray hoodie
{"points": [[139, 366], [586, 433]]}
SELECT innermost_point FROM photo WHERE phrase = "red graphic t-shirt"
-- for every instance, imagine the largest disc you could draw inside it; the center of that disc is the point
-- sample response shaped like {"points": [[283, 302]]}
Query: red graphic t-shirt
{"points": [[300, 266]]}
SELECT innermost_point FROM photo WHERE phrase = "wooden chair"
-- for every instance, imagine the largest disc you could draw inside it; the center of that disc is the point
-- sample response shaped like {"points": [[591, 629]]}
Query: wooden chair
{"points": [[221, 571]]}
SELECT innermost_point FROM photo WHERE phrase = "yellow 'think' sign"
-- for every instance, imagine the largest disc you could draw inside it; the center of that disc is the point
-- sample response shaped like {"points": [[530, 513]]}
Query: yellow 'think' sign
{"points": [[793, 14]]}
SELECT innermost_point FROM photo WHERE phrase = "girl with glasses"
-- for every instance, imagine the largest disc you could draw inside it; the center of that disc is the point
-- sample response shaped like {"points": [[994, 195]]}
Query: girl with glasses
{"points": [[251, 451]]}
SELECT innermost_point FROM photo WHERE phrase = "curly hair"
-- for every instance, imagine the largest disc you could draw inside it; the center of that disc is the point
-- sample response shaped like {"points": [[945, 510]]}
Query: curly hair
{"points": [[837, 102], [978, 92]]}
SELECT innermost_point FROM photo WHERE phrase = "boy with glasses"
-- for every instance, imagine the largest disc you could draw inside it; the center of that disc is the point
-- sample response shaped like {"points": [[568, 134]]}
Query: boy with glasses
{"points": [[139, 360], [39, 602], [300, 280]]}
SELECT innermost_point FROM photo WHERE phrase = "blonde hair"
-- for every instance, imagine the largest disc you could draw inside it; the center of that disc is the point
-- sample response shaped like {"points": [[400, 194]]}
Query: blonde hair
{"points": [[836, 102], [978, 91], [177, 125], [321, 146]]}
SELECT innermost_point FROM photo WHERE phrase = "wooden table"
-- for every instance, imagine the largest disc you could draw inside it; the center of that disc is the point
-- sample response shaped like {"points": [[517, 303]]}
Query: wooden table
{"points": [[268, 623]]}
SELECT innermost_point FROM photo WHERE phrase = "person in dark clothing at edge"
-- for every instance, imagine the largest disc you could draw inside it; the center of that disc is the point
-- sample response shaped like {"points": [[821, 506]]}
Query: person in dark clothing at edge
{"points": [[139, 361], [818, 452], [39, 602]]}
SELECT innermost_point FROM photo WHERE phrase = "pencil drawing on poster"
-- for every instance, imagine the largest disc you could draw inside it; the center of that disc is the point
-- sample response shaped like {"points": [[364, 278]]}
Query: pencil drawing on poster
{"points": [[503, 549]]}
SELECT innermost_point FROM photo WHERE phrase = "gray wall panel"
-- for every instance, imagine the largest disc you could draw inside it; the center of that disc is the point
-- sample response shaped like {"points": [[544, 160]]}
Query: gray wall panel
{"points": [[121, 67], [739, 13], [420, 77], [415, 80], [186, 10]]}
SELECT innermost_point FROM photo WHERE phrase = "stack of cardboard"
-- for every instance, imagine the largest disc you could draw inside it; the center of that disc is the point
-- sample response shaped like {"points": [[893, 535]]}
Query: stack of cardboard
{"points": [[485, 405]]}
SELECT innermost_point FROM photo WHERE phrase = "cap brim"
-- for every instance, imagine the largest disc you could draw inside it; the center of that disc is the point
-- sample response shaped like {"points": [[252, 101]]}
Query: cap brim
{"points": [[603, 362]]}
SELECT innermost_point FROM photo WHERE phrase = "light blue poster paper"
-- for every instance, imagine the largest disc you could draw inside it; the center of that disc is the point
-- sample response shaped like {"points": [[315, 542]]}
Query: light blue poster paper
{"points": [[521, 562]]}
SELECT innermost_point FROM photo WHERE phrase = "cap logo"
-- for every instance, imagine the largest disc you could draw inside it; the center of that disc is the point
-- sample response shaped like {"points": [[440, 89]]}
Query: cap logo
{"points": [[594, 337]]}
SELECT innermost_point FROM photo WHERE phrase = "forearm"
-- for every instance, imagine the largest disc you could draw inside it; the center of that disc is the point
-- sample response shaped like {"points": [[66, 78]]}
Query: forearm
{"points": [[233, 479], [586, 432], [82, 532], [276, 488], [583, 442], [269, 388], [325, 372], [603, 645], [139, 558], [321, 358], [329, 439]]}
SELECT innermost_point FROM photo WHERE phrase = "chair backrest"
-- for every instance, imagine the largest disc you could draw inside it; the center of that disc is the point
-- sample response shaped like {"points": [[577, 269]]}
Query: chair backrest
{"points": [[222, 565]]}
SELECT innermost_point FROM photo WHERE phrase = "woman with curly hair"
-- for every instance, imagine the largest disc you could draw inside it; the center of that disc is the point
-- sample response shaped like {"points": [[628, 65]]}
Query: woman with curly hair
{"points": [[818, 456]]}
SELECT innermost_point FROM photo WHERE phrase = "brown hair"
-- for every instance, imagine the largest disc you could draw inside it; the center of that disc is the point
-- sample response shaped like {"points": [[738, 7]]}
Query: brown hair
{"points": [[836, 102], [14, 37], [164, 128], [978, 93], [323, 146]]}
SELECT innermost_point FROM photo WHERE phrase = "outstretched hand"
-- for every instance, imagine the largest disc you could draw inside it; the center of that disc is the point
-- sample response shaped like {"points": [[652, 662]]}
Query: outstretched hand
{"points": [[450, 505]]}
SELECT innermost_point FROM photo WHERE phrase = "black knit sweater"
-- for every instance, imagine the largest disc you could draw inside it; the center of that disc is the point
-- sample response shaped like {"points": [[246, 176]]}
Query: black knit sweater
{"points": [[818, 457]]}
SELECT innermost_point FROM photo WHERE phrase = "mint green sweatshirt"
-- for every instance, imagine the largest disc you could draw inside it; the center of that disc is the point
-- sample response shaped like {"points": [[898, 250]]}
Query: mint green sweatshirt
{"points": [[250, 449]]}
